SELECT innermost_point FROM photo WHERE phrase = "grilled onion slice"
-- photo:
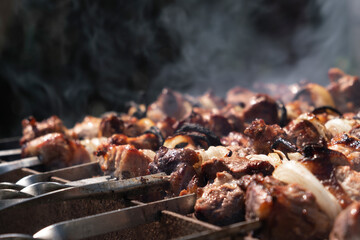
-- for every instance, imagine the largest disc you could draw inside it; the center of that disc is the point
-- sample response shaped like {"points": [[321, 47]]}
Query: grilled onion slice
{"points": [[295, 172]]}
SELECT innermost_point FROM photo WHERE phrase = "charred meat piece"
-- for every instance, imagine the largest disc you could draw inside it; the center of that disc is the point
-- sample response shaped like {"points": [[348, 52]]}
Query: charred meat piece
{"points": [[169, 104], [110, 125], [166, 127], [198, 132], [306, 130], [145, 141], [322, 163], [315, 96], [219, 125], [261, 106], [287, 211], [349, 181], [239, 96], [347, 224], [181, 178], [88, 128], [134, 127], [167, 160], [210, 101], [236, 139], [178, 163], [345, 90], [263, 136], [56, 150], [33, 129], [236, 166], [222, 202], [124, 161], [350, 147]]}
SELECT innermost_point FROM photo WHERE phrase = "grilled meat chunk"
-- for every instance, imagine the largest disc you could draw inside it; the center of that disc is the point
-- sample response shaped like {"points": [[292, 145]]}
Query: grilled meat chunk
{"points": [[219, 125], [263, 136], [56, 150], [239, 96], [347, 224], [349, 146], [236, 139], [33, 129], [236, 166], [221, 202], [88, 128], [169, 104], [261, 106], [306, 130], [178, 163], [123, 161], [110, 125], [345, 90], [349, 181], [145, 141], [287, 211], [167, 159]]}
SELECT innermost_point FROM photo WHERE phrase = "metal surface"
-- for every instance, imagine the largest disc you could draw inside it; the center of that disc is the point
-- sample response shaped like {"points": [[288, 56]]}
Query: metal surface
{"points": [[74, 194], [111, 186], [17, 164], [11, 194], [15, 236], [10, 152], [116, 220], [42, 188], [8, 185], [77, 172], [228, 231]]}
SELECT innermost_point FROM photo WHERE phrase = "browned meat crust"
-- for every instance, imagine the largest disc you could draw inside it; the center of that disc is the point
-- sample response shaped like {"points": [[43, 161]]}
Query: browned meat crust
{"points": [[110, 125], [263, 136], [345, 90], [123, 161], [221, 202], [88, 128], [33, 129], [347, 224], [287, 211], [56, 150], [236, 166], [145, 141]]}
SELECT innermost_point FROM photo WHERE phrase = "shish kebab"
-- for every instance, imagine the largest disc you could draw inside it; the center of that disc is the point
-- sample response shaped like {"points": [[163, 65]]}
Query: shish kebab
{"points": [[294, 166]]}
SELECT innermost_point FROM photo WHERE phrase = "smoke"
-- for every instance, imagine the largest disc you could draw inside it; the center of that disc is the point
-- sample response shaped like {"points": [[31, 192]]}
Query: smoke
{"points": [[228, 43], [73, 58]]}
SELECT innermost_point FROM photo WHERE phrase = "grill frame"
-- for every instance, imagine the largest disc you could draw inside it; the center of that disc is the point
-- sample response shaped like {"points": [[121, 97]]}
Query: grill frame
{"points": [[32, 215]]}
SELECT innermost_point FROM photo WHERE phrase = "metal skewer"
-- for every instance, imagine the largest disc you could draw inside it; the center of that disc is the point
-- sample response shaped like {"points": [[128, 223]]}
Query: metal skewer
{"points": [[116, 220], [13, 165], [10, 152]]}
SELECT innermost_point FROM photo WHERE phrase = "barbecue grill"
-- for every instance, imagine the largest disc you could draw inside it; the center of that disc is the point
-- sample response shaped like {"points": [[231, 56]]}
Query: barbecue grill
{"points": [[78, 202]]}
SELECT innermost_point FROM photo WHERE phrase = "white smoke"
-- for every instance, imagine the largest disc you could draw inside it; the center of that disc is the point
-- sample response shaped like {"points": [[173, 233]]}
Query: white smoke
{"points": [[220, 49]]}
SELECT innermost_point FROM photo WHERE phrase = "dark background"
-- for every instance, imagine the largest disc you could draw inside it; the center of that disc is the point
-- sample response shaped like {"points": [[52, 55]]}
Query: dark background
{"points": [[73, 58]]}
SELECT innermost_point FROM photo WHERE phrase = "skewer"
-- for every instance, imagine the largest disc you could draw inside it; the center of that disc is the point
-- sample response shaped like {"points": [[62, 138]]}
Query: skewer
{"points": [[73, 173], [17, 164], [10, 152], [132, 185], [116, 220]]}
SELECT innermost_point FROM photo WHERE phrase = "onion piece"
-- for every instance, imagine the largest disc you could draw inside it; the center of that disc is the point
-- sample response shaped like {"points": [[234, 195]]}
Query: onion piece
{"points": [[212, 152], [179, 141], [273, 158], [316, 123], [295, 172], [337, 126]]}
